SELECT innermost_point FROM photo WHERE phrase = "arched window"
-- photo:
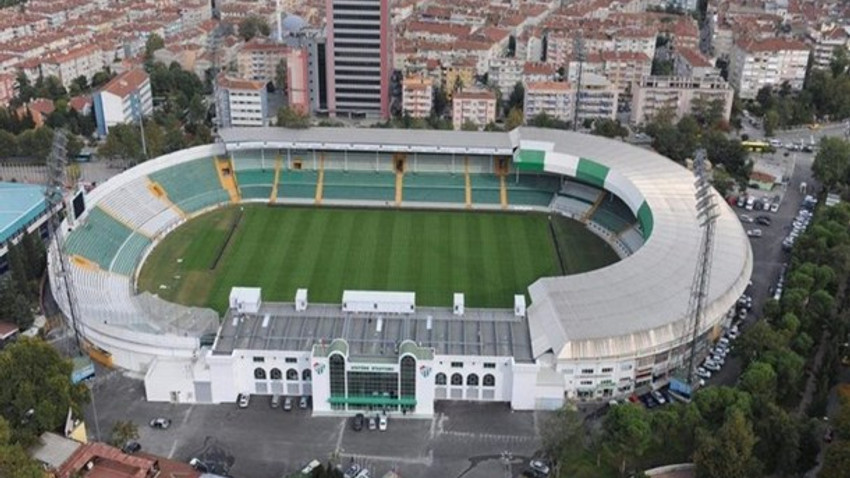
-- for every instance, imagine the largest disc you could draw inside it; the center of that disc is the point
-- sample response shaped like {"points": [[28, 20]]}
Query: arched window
{"points": [[489, 380], [292, 374], [259, 373], [472, 380], [457, 379], [440, 379], [306, 375], [407, 377], [276, 374]]}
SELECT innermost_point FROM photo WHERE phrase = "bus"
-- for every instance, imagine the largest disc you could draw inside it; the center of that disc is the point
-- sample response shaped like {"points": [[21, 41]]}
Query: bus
{"points": [[756, 146]]}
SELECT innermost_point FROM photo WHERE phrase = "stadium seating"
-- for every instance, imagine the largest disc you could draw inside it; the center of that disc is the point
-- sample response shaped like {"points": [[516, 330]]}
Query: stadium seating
{"points": [[580, 191], [485, 188], [255, 183], [137, 207], [248, 160], [99, 239], [632, 239], [128, 256], [434, 187], [532, 189], [613, 214], [295, 184], [361, 185], [193, 185], [570, 206]]}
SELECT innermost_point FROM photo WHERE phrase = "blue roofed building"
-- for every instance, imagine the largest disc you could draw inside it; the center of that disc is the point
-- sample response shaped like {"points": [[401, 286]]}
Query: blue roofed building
{"points": [[22, 209]]}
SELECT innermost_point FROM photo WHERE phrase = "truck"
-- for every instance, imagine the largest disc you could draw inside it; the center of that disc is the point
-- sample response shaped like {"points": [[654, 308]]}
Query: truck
{"points": [[83, 369]]}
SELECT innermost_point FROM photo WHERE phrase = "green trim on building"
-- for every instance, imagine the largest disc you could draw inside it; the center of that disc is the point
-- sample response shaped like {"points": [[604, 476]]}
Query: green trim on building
{"points": [[592, 172], [644, 217], [530, 160], [358, 400]]}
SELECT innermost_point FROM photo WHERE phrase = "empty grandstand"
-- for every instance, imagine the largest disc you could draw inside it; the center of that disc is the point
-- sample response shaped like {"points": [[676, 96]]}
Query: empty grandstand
{"points": [[596, 334], [24, 210]]}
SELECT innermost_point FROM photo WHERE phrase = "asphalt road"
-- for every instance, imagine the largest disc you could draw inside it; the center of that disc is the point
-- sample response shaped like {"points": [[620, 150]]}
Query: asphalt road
{"points": [[463, 439], [768, 256]]}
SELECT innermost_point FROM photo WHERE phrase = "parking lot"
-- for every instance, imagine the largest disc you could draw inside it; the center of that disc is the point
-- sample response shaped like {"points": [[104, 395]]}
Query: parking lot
{"points": [[463, 439]]}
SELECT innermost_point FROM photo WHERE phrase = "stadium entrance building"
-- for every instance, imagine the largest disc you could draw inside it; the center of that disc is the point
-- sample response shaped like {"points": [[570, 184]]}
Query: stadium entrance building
{"points": [[605, 332]]}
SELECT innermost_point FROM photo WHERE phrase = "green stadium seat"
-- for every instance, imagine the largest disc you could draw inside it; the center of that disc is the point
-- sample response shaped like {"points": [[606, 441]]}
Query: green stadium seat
{"points": [[99, 239], [297, 184], [613, 214], [434, 187], [193, 185], [486, 188], [130, 253], [358, 185]]}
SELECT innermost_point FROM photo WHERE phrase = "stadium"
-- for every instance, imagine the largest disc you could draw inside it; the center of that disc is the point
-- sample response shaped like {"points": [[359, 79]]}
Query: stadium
{"points": [[390, 268]]}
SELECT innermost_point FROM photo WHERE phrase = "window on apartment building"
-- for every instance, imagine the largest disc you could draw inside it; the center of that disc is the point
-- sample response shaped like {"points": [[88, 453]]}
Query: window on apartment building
{"points": [[607, 369], [457, 365], [489, 365], [258, 359], [291, 360], [586, 382], [587, 371]]}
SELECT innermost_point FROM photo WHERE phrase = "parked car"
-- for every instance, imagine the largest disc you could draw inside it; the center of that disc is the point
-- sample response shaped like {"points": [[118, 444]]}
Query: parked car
{"points": [[712, 366], [302, 403], [287, 404], [774, 207], [131, 447], [754, 232], [658, 397], [352, 470], [275, 401], [161, 423], [373, 424], [539, 468], [357, 422], [243, 399], [199, 465], [703, 373], [382, 422], [746, 218], [764, 220]]}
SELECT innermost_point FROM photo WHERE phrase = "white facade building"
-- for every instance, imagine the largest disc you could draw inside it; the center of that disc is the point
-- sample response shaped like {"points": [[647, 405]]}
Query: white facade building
{"points": [[241, 102], [756, 64], [678, 94], [475, 106], [417, 95], [556, 99], [125, 99]]}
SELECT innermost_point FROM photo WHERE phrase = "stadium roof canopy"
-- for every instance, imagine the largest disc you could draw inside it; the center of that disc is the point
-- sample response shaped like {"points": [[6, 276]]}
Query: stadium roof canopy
{"points": [[20, 204], [636, 305]]}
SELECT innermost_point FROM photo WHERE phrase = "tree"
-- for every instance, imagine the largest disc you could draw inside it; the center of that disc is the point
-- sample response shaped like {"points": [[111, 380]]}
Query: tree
{"points": [[280, 77], [511, 46], [836, 461], [290, 118], [8, 144], [609, 128], [832, 160], [35, 389], [14, 461], [626, 434], [514, 119], [562, 432], [153, 43], [759, 379], [14, 304], [123, 432], [729, 452], [253, 26], [468, 125], [517, 97], [441, 101], [102, 77], [662, 67]]}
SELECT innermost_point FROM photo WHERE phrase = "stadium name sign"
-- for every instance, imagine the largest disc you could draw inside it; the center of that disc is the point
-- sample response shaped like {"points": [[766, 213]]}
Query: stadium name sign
{"points": [[371, 368]]}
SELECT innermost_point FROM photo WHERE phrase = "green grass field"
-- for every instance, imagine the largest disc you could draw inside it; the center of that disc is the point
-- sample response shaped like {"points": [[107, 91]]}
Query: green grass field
{"points": [[488, 256]]}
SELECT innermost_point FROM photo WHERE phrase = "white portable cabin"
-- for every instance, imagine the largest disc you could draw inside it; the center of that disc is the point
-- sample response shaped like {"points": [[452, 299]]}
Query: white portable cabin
{"points": [[519, 305], [369, 301], [245, 300], [301, 299], [458, 302]]}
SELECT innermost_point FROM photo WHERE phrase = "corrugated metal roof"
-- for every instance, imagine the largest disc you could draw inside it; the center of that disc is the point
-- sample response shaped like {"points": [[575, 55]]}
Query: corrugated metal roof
{"points": [[19, 205]]}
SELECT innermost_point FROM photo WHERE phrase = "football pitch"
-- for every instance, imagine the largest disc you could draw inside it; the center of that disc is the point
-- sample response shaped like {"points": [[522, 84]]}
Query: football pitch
{"points": [[489, 256]]}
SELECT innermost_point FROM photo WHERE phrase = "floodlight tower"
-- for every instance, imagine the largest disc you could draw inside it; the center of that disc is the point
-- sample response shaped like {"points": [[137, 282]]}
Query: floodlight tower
{"points": [[54, 194], [707, 213], [581, 56]]}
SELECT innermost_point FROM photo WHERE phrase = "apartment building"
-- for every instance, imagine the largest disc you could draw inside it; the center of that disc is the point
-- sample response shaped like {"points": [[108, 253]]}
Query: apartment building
{"points": [[84, 61], [688, 62], [241, 102], [7, 89], [556, 99], [535, 72], [825, 42], [125, 99], [417, 95], [758, 63], [679, 94], [622, 68], [505, 73], [476, 106], [298, 80], [596, 98], [359, 57], [259, 58]]}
